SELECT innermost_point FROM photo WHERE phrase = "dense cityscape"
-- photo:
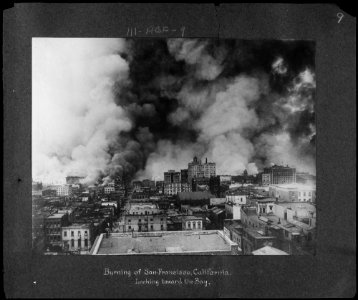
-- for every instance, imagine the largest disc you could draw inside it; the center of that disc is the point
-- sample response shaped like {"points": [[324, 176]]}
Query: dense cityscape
{"points": [[189, 211]]}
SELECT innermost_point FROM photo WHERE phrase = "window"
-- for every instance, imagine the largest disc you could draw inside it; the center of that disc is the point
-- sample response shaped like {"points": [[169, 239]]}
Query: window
{"points": [[151, 227], [129, 227], [79, 233], [72, 233], [72, 243], [161, 227], [86, 243], [129, 221], [65, 233]]}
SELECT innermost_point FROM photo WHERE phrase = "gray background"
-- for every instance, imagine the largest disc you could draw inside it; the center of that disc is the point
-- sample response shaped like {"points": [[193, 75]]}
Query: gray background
{"points": [[330, 273]]}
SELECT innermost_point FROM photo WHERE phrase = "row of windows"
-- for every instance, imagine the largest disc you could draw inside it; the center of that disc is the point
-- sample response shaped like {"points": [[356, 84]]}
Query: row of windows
{"points": [[140, 220], [79, 242], [194, 225], [73, 233], [146, 226]]}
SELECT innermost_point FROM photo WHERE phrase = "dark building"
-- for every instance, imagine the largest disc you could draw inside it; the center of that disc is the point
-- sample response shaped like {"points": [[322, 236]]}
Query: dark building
{"points": [[280, 174], [194, 198], [184, 176], [214, 185], [122, 183], [159, 185], [172, 177], [200, 184], [52, 229]]}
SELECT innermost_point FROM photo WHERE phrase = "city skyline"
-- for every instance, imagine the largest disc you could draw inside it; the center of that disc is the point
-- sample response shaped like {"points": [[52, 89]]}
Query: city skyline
{"points": [[104, 106]]}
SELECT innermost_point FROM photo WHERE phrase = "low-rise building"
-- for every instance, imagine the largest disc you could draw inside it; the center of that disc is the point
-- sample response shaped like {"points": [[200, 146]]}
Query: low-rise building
{"points": [[78, 238], [293, 192], [64, 190], [192, 223], [207, 242]]}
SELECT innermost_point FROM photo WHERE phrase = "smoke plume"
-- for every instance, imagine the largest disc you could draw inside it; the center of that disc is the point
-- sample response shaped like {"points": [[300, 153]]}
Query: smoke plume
{"points": [[102, 107]]}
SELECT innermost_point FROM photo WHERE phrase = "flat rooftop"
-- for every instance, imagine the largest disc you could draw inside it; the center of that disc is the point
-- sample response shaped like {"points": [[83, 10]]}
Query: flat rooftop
{"points": [[267, 250], [162, 242], [56, 216]]}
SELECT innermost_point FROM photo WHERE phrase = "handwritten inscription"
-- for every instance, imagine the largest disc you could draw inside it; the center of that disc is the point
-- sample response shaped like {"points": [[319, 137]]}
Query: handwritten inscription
{"points": [[340, 17], [155, 31]]}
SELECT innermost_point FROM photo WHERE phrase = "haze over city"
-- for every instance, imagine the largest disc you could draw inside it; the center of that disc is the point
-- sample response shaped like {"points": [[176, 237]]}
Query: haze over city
{"points": [[103, 106]]}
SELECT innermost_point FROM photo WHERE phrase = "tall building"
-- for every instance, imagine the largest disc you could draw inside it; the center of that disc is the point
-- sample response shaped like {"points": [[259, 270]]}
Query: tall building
{"points": [[172, 183], [279, 174], [184, 176], [198, 169], [52, 228]]}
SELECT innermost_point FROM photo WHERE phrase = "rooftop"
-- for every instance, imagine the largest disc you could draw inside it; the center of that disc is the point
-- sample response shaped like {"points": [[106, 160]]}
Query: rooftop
{"points": [[195, 196], [267, 250], [162, 242], [187, 218], [56, 216], [295, 186], [77, 226]]}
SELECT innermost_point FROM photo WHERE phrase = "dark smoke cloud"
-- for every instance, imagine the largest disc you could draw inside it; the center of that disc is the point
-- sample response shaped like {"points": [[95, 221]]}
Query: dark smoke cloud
{"points": [[244, 104]]}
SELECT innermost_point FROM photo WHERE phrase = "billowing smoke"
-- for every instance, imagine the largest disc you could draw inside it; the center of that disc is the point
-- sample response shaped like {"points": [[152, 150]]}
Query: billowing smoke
{"points": [[107, 106], [75, 120]]}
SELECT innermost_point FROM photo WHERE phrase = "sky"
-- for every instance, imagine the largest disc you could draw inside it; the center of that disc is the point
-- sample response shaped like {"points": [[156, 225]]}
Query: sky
{"points": [[101, 106]]}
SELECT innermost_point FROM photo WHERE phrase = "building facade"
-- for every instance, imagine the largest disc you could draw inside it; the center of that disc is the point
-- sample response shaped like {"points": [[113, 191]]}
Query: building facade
{"points": [[192, 223], [280, 174], [78, 238], [52, 229]]}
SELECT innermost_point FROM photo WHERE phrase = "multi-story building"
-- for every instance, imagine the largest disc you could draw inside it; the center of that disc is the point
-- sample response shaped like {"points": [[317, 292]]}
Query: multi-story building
{"points": [[143, 223], [198, 169], [78, 237], [192, 223], [173, 183], [238, 198], [172, 188], [184, 176], [109, 188], [281, 174], [52, 228], [293, 193], [214, 185], [64, 190]]}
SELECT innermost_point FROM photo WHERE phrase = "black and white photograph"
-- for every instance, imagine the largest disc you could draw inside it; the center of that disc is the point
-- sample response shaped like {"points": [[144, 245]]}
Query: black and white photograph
{"points": [[178, 150], [173, 146]]}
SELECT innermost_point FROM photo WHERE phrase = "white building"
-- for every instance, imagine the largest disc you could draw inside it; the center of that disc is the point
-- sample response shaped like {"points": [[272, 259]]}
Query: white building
{"points": [[192, 223], [293, 192], [63, 190], [233, 211], [77, 237], [109, 189], [236, 199]]}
